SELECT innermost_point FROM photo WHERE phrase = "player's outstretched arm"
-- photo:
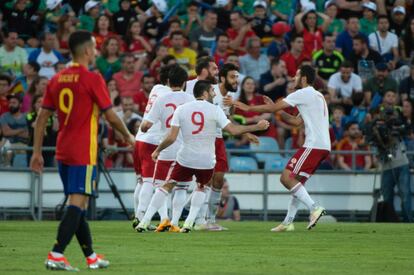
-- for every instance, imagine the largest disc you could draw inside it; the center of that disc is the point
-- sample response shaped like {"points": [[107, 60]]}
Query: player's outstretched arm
{"points": [[291, 120], [36, 162], [266, 108], [168, 140], [119, 125], [236, 130]]}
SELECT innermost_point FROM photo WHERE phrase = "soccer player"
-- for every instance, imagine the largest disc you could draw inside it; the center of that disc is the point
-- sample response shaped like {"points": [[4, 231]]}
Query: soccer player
{"points": [[77, 95], [206, 69], [197, 122], [145, 144], [314, 114], [162, 111]]}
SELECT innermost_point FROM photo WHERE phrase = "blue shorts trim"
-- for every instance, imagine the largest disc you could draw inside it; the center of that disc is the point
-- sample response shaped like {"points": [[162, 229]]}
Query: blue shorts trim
{"points": [[78, 179]]}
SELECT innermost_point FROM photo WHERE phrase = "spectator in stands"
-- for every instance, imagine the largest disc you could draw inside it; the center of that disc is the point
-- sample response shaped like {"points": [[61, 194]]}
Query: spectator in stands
{"points": [[407, 41], [65, 27], [5, 82], [369, 22], [14, 127], [398, 20], [342, 84], [260, 22], [19, 17], [186, 57], [254, 63], [114, 95], [204, 36], [127, 113], [353, 141], [385, 42], [359, 111], [109, 62], [87, 20], [306, 25], [37, 87], [222, 49], [135, 42], [389, 101], [295, 56], [12, 57], [50, 132], [376, 87], [338, 121], [239, 32], [229, 208], [408, 114], [364, 58], [278, 46], [327, 60], [55, 10], [407, 84], [128, 80], [337, 25], [223, 9], [191, 19], [173, 26], [103, 29], [141, 98], [161, 51], [47, 56], [123, 17], [274, 82], [281, 9], [154, 26], [344, 41]]}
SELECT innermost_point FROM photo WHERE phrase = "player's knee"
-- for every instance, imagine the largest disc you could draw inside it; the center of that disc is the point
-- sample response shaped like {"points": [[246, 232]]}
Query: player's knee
{"points": [[285, 178]]}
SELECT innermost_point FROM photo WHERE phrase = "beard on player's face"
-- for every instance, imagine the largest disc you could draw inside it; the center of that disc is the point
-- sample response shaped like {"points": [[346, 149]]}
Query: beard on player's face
{"points": [[229, 87], [211, 78]]}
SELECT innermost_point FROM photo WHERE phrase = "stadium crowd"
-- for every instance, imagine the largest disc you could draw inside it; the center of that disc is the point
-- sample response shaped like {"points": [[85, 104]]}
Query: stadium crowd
{"points": [[363, 52]]}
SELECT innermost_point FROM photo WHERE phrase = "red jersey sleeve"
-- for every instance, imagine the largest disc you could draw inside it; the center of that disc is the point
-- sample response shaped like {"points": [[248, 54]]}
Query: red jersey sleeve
{"points": [[100, 92], [48, 98]]}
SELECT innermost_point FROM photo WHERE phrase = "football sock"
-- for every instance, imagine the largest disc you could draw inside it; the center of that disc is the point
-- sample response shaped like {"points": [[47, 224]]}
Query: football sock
{"points": [[83, 234], [196, 202], [56, 254], [213, 204], [159, 198], [92, 256], [136, 198], [163, 211], [292, 210], [300, 192], [144, 198], [67, 228], [178, 202], [202, 214]]}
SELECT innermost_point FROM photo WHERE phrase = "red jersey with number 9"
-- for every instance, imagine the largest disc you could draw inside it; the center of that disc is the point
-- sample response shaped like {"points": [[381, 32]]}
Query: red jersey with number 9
{"points": [[77, 95]]}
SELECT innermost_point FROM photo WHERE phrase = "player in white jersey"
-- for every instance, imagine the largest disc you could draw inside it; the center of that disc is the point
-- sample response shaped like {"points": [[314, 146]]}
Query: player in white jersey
{"points": [[197, 121], [314, 114], [162, 112], [144, 146], [206, 69]]}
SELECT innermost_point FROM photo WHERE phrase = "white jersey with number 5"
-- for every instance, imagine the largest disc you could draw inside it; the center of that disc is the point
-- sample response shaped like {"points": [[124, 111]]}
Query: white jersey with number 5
{"points": [[153, 135], [162, 112], [198, 122], [314, 112]]}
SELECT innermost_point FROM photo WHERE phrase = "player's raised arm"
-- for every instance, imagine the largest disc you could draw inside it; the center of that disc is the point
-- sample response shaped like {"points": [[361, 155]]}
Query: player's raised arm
{"points": [[266, 108], [168, 140]]}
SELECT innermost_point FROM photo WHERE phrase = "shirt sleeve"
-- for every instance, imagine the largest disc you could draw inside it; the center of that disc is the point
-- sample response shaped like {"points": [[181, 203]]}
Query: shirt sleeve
{"points": [[221, 118], [394, 41], [331, 82], [48, 99], [100, 93], [176, 117], [155, 113], [358, 83], [296, 98]]}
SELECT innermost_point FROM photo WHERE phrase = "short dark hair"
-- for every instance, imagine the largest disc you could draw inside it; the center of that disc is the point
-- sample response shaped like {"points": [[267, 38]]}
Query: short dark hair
{"points": [[164, 71], [167, 59], [327, 34], [347, 64], [203, 63], [360, 38], [7, 31], [78, 39], [382, 16], [226, 69], [177, 76], [220, 35], [174, 20], [34, 65], [176, 33], [45, 34], [5, 77], [349, 124], [294, 37], [146, 76], [308, 72], [127, 55], [200, 87]]}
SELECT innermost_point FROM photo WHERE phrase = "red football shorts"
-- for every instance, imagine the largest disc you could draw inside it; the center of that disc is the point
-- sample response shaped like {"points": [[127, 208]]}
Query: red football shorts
{"points": [[180, 173], [221, 156], [144, 162], [305, 162]]}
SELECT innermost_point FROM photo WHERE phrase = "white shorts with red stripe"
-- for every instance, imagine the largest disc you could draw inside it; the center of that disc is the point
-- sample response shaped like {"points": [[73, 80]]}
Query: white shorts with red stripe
{"points": [[163, 170], [305, 162]]}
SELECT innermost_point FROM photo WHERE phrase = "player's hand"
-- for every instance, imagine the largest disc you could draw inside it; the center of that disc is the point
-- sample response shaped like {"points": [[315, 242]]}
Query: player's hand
{"points": [[36, 163], [252, 138], [155, 155], [263, 125], [228, 101], [241, 106], [267, 100], [130, 139]]}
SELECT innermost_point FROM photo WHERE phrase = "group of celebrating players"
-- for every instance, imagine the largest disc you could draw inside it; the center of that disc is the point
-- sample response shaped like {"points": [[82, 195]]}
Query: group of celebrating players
{"points": [[180, 138]]}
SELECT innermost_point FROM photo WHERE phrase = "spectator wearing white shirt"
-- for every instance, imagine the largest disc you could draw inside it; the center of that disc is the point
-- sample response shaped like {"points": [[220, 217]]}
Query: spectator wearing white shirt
{"points": [[12, 57], [254, 63], [342, 84], [385, 42]]}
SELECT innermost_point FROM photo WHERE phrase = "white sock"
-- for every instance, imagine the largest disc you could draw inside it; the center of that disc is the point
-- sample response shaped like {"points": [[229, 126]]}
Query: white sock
{"points": [[196, 202], [292, 210], [92, 256], [163, 211], [300, 192], [213, 204], [157, 201], [202, 214], [56, 254], [178, 202], [136, 198], [144, 198]]}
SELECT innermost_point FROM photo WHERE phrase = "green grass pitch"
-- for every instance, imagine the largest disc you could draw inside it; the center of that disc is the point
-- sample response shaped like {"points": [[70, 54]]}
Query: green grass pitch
{"points": [[247, 248]]}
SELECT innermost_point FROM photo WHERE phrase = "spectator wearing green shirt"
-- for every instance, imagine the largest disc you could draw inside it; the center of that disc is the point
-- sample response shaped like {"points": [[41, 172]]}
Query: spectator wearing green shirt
{"points": [[281, 9], [12, 57], [245, 6], [191, 19], [87, 20], [111, 6], [369, 21], [109, 62], [327, 59], [337, 25], [375, 87]]}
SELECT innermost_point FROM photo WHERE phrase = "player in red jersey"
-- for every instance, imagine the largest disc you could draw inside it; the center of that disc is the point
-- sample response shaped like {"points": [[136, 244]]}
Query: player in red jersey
{"points": [[314, 114], [78, 96]]}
